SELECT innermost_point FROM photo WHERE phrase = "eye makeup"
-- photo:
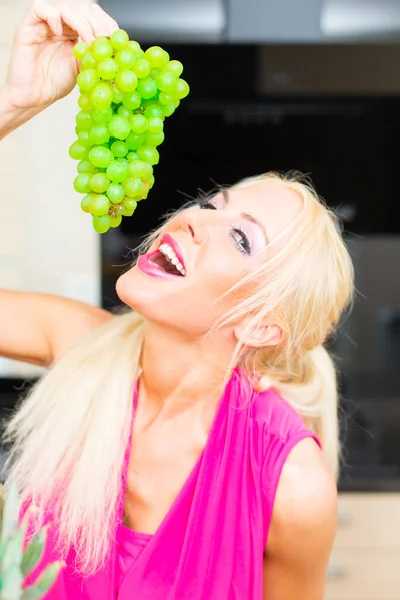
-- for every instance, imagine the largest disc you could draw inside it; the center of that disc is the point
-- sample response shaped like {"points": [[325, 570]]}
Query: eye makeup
{"points": [[240, 237]]}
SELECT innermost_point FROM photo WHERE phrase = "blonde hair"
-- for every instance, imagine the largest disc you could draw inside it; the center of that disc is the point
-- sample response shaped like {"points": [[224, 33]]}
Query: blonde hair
{"points": [[70, 434]]}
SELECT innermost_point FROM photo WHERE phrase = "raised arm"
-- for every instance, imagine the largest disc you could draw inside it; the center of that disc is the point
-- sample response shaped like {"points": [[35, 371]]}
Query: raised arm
{"points": [[42, 68], [40, 328]]}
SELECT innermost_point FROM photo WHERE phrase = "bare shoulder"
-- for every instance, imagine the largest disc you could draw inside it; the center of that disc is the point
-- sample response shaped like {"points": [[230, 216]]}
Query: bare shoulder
{"points": [[72, 321], [305, 506], [303, 527]]}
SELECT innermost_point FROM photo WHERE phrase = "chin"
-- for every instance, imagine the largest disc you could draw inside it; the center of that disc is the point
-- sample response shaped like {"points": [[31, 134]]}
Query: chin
{"points": [[141, 295], [130, 289]]}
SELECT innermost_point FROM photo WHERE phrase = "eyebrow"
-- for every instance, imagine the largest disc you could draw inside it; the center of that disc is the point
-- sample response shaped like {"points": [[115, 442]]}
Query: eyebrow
{"points": [[246, 216]]}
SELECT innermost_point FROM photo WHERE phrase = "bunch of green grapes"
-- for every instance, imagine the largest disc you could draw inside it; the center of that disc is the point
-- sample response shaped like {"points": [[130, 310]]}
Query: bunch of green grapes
{"points": [[126, 94]]}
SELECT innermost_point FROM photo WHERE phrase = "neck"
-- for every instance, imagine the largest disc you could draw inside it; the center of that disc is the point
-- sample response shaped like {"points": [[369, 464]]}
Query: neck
{"points": [[178, 372]]}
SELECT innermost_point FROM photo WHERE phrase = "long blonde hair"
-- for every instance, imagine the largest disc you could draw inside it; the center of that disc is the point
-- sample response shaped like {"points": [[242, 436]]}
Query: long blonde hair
{"points": [[69, 436]]}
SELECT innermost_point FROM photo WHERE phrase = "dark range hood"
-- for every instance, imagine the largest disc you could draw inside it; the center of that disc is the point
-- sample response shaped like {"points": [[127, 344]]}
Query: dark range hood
{"points": [[258, 22]]}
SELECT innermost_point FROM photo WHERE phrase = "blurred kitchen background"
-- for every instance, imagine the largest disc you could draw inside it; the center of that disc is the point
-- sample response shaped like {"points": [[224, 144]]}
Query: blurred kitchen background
{"points": [[310, 85]]}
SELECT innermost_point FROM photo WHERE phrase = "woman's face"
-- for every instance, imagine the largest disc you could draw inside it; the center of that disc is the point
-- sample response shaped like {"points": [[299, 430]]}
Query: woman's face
{"points": [[213, 246]]}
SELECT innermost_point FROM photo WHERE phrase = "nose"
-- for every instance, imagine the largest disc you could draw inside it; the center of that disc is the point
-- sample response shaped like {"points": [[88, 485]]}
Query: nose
{"points": [[192, 224]]}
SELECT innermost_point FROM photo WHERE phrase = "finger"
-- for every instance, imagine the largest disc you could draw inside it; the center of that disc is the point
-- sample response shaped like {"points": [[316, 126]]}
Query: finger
{"points": [[41, 12], [100, 22], [110, 24], [77, 21], [93, 19]]}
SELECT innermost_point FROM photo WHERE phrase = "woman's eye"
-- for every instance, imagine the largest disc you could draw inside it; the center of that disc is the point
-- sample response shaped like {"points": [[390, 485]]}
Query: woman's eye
{"points": [[241, 240], [206, 204]]}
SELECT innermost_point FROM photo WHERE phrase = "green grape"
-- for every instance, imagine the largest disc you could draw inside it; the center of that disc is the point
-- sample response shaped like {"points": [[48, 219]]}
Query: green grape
{"points": [[138, 123], [124, 112], [80, 50], [101, 157], [148, 154], [85, 203], [119, 209], [140, 169], [84, 119], [157, 57], [135, 46], [126, 58], [118, 95], [153, 110], [142, 68], [99, 205], [165, 98], [146, 189], [87, 80], [84, 138], [168, 110], [182, 89], [133, 187], [116, 221], [115, 193], [175, 67], [130, 204], [102, 117], [82, 183], [132, 100], [126, 80], [125, 96], [102, 49], [119, 127], [107, 69], [99, 183], [135, 140], [102, 96], [119, 149], [166, 82], [101, 223], [99, 135], [78, 152], [154, 139], [85, 166], [88, 62], [127, 212], [120, 39], [147, 88], [85, 102], [155, 125], [117, 171]]}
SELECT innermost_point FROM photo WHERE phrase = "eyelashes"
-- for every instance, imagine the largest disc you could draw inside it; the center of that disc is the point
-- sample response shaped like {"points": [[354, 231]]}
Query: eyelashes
{"points": [[206, 204], [239, 236], [241, 240]]}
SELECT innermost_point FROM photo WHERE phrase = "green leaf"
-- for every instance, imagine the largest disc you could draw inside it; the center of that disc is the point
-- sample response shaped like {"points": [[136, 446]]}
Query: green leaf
{"points": [[33, 552], [43, 583], [10, 515], [12, 584]]}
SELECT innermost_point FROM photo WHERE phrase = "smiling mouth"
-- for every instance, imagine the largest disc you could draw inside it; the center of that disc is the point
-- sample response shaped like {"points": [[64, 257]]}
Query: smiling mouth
{"points": [[166, 260]]}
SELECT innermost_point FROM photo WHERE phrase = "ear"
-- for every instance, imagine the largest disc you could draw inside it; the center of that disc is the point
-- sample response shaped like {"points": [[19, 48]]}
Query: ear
{"points": [[265, 334]]}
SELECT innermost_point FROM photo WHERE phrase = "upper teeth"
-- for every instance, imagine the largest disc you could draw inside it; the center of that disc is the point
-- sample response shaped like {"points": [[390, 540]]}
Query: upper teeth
{"points": [[170, 254]]}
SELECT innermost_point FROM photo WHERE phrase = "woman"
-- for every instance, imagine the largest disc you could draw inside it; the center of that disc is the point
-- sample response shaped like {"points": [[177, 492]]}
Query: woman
{"points": [[175, 449]]}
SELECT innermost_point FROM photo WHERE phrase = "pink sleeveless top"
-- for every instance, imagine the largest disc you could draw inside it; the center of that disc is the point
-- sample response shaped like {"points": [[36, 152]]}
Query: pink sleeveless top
{"points": [[211, 543]]}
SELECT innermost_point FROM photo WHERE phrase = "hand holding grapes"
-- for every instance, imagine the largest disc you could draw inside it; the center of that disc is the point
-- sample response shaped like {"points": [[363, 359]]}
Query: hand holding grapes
{"points": [[42, 68]]}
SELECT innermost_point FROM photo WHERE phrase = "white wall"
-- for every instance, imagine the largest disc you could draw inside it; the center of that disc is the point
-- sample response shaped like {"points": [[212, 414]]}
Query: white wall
{"points": [[47, 243]]}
